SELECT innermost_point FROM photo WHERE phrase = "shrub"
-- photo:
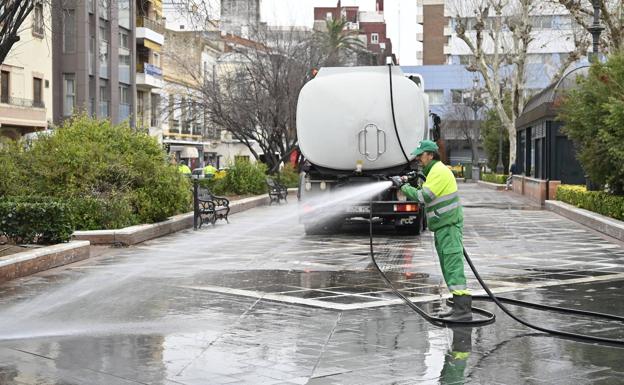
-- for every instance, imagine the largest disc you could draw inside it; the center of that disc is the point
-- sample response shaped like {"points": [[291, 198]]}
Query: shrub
{"points": [[288, 176], [243, 177], [597, 201], [494, 178], [593, 116], [111, 175], [35, 220]]}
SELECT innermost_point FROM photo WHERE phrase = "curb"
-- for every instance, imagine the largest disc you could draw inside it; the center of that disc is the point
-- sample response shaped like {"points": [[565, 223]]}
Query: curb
{"points": [[491, 186], [611, 227], [44, 258], [140, 233]]}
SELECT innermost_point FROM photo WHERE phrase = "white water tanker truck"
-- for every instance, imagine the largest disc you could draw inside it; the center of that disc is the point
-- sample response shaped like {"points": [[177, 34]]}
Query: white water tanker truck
{"points": [[356, 126]]}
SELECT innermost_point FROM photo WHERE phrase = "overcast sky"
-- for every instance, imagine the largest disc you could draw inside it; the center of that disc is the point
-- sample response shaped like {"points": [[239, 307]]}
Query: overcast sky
{"points": [[400, 18]]}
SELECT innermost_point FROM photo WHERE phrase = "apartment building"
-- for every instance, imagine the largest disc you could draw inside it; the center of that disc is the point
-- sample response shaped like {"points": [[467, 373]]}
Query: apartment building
{"points": [[94, 59], [150, 38], [25, 78], [188, 61], [552, 27], [371, 28]]}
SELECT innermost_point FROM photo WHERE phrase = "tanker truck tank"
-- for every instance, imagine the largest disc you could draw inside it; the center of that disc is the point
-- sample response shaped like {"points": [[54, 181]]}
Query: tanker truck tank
{"points": [[347, 133]]}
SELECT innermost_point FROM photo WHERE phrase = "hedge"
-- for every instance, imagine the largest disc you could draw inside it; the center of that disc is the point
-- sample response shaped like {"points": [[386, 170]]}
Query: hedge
{"points": [[494, 178], [110, 175], [39, 220], [597, 201]]}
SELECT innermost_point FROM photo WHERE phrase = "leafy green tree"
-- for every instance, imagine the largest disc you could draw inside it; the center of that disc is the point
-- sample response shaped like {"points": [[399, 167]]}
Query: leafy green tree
{"points": [[491, 131], [593, 116], [337, 42]]}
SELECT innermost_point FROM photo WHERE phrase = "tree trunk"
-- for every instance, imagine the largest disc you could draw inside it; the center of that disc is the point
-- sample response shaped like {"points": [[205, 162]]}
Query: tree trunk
{"points": [[511, 130]]}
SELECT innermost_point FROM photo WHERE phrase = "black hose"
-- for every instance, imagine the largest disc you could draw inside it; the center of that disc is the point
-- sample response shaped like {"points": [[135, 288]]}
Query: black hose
{"points": [[396, 130], [576, 336], [487, 316]]}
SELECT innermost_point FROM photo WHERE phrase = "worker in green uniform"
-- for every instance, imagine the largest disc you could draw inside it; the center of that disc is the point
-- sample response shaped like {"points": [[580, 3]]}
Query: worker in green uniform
{"points": [[210, 170], [446, 219]]}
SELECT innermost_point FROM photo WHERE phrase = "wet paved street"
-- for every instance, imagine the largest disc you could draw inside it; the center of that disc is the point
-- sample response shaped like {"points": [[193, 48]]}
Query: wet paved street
{"points": [[258, 302]]}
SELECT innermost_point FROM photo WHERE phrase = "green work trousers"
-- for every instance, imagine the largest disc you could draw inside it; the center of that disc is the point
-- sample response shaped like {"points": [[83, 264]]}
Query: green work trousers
{"points": [[449, 245]]}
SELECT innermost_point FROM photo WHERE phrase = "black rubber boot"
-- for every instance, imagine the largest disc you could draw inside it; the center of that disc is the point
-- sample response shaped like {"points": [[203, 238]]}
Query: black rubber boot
{"points": [[462, 309]]}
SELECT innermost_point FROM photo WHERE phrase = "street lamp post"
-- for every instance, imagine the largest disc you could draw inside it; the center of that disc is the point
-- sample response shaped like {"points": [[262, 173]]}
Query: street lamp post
{"points": [[595, 30], [500, 168], [475, 104]]}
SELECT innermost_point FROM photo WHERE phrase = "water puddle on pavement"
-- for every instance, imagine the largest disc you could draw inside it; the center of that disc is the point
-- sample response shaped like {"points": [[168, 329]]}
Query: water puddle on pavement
{"points": [[343, 286]]}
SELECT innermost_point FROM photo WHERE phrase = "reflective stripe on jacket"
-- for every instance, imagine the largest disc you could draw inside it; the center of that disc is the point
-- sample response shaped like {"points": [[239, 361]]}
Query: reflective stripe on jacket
{"points": [[439, 194]]}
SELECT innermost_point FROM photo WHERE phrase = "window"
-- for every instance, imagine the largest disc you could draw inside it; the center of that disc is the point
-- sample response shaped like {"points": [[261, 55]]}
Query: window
{"points": [[104, 7], [37, 92], [123, 7], [69, 30], [103, 50], [92, 55], [103, 99], [329, 16], [37, 21], [436, 96], [5, 78], [374, 38], [456, 96], [154, 109], [69, 94], [123, 38], [124, 102], [124, 94]]}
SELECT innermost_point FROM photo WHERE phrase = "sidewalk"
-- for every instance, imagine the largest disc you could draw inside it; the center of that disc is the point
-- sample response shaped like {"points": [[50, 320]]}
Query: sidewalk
{"points": [[258, 302]]}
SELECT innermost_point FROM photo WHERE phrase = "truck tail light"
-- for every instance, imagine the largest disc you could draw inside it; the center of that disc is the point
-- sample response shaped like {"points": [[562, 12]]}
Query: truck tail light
{"points": [[406, 207]]}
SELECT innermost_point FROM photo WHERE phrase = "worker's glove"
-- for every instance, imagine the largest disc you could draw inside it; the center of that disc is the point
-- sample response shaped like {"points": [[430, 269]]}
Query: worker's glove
{"points": [[397, 181]]}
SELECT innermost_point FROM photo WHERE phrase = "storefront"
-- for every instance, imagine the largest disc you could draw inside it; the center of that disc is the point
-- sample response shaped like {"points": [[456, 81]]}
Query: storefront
{"points": [[543, 151]]}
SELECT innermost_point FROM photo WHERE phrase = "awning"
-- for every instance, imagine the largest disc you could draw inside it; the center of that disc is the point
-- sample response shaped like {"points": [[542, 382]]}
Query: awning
{"points": [[189, 152], [151, 45]]}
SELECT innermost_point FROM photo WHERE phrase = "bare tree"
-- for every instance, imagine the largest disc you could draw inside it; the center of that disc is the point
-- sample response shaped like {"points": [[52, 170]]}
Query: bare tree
{"points": [[499, 35], [252, 91], [12, 15], [462, 121], [611, 14]]}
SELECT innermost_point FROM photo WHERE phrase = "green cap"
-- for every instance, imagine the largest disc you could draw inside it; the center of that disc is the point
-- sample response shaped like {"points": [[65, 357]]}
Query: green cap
{"points": [[425, 145]]}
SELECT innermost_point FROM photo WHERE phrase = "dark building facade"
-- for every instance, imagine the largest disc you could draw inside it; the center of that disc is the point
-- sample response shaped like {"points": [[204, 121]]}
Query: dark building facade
{"points": [[543, 151], [94, 60]]}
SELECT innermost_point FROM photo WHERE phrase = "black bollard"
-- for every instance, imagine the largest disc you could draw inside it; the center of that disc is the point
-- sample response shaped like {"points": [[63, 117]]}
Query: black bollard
{"points": [[195, 203]]}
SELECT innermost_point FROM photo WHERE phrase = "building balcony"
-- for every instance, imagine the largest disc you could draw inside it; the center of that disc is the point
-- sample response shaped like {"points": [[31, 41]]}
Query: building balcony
{"points": [[447, 49], [148, 75], [26, 113], [420, 18], [448, 30], [419, 36], [150, 29]]}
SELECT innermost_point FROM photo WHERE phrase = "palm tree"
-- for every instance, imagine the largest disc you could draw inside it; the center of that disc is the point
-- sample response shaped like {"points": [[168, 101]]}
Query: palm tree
{"points": [[337, 41]]}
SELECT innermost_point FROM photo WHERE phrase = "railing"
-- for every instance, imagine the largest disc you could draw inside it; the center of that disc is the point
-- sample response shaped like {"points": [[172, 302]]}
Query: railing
{"points": [[154, 25], [20, 102]]}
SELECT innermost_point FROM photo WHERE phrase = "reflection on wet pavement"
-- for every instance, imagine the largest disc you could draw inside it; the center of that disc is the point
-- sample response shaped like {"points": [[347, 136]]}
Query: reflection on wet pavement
{"points": [[235, 304]]}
